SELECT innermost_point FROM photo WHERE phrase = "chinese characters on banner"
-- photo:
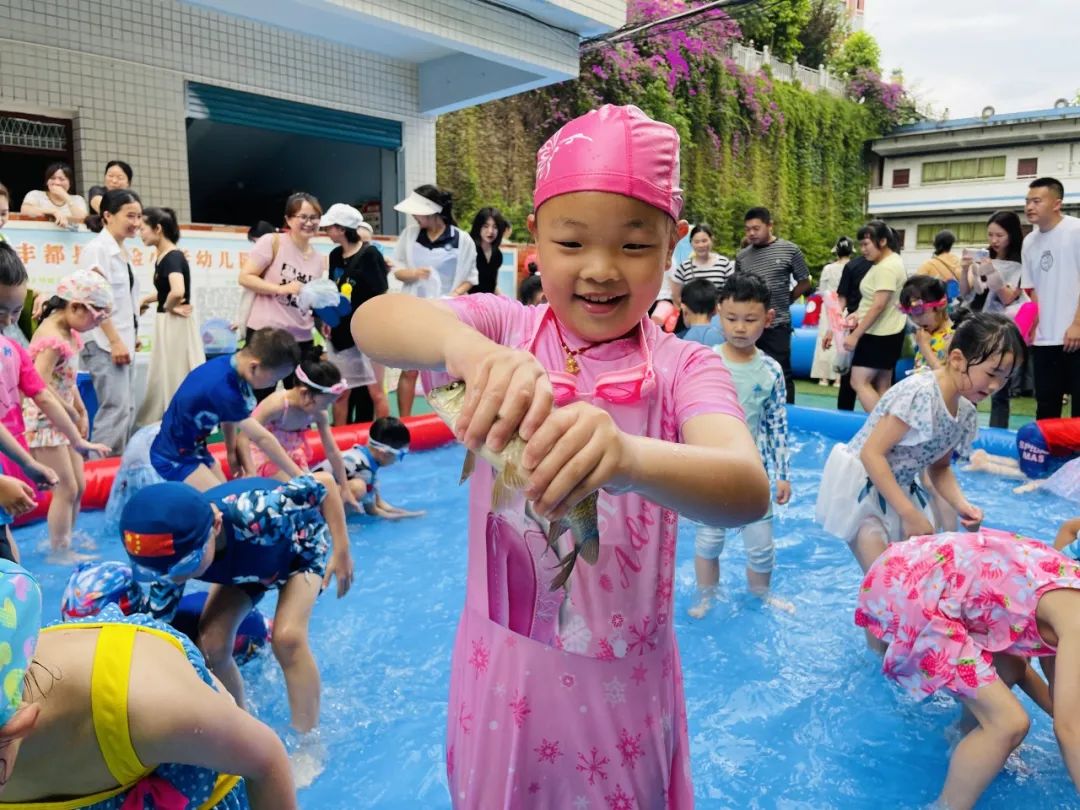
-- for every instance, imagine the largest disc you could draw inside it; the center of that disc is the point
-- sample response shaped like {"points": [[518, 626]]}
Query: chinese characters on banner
{"points": [[214, 257]]}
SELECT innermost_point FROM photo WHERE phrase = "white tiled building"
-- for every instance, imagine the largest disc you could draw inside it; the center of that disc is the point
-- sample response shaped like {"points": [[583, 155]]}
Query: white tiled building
{"points": [[162, 84], [955, 174]]}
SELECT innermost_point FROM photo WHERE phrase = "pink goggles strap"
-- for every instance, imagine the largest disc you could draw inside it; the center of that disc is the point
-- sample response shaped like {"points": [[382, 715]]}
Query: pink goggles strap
{"points": [[340, 387]]}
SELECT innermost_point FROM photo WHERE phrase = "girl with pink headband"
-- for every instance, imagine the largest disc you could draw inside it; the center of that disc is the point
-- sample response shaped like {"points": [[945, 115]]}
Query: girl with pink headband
{"points": [[574, 698], [288, 414]]}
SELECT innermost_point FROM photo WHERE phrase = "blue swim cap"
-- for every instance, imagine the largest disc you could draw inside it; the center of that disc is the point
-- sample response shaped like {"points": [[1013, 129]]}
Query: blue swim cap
{"points": [[165, 527], [20, 621]]}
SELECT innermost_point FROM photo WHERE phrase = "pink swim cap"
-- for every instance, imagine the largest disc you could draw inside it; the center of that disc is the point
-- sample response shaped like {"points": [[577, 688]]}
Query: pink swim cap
{"points": [[614, 149]]}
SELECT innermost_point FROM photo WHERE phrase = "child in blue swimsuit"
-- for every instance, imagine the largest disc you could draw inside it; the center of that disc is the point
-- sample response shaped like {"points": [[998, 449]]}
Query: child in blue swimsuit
{"points": [[246, 536], [220, 392]]}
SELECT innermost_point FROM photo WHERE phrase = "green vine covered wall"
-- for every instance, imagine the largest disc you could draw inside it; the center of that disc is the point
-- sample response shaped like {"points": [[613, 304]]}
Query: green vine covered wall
{"points": [[747, 140]]}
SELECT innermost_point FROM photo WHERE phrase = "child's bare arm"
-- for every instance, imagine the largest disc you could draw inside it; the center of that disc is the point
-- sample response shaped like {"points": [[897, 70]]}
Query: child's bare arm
{"points": [[944, 481], [886, 434], [195, 725], [579, 449], [1067, 533], [507, 389], [53, 408], [337, 462], [268, 443]]}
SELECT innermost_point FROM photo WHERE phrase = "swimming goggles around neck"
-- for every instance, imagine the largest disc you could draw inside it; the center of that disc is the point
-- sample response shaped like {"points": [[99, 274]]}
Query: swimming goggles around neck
{"points": [[622, 387], [919, 307], [338, 388], [397, 452]]}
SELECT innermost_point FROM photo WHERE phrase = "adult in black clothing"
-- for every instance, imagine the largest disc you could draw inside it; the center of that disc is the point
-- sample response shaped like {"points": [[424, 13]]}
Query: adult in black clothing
{"points": [[487, 231], [850, 297], [360, 272]]}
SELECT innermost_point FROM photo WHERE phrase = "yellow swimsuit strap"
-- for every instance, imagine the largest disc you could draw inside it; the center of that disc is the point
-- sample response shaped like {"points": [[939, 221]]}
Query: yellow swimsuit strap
{"points": [[109, 697], [109, 705]]}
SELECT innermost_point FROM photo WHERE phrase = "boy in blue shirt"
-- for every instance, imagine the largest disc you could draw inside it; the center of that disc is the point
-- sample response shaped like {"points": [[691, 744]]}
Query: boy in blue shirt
{"points": [[245, 536], [759, 381], [219, 392], [698, 308]]}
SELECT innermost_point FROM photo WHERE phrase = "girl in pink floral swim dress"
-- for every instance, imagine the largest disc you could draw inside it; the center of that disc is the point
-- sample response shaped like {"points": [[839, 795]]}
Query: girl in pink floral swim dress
{"points": [[957, 611], [288, 414], [573, 698], [81, 302]]}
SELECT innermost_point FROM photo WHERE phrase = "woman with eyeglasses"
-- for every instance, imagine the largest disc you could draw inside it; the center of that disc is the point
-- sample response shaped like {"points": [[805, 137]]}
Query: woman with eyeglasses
{"points": [[277, 268]]}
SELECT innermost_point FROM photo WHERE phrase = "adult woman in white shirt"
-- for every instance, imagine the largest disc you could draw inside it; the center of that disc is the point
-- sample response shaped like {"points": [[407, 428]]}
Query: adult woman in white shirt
{"points": [[999, 278], [56, 202], [433, 259], [110, 348]]}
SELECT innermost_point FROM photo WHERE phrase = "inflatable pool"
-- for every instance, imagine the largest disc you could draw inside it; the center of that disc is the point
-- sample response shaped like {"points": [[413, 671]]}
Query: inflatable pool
{"points": [[428, 432]]}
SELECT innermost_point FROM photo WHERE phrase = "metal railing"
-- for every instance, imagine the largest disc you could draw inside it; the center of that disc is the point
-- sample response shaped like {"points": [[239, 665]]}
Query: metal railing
{"points": [[752, 60]]}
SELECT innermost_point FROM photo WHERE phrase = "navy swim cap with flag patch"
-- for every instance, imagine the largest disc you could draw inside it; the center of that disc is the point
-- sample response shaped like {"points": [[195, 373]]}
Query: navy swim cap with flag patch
{"points": [[165, 527]]}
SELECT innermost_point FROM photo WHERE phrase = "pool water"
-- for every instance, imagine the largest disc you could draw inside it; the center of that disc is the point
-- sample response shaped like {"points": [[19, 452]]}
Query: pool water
{"points": [[785, 711]]}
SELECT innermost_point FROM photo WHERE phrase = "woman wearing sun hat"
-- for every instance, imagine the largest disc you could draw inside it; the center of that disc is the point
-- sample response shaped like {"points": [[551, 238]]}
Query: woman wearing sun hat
{"points": [[433, 259], [136, 720]]}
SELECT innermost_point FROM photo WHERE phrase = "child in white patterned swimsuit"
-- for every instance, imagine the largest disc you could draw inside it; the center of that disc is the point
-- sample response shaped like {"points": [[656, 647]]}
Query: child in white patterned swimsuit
{"points": [[870, 494]]}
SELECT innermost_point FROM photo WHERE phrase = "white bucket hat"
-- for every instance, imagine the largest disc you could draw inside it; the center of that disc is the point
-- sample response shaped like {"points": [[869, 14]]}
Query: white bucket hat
{"points": [[342, 215], [418, 206]]}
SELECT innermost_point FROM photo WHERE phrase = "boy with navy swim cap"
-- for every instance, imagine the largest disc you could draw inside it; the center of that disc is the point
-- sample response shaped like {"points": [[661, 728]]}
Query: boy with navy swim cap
{"points": [[246, 536], [220, 392]]}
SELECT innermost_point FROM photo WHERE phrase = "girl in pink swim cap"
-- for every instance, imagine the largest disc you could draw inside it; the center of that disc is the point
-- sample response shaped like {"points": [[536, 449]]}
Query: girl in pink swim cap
{"points": [[574, 697]]}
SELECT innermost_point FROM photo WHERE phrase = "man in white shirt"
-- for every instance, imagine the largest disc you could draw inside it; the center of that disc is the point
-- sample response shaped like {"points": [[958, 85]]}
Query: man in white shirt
{"points": [[1051, 262]]}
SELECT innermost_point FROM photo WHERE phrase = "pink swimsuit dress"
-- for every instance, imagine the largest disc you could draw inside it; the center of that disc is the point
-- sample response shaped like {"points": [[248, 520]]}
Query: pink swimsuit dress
{"points": [[17, 377], [40, 431], [946, 603], [576, 702], [291, 441]]}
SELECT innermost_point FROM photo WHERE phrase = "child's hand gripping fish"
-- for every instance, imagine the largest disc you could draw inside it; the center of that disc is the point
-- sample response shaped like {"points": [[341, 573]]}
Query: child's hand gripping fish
{"points": [[448, 401]]}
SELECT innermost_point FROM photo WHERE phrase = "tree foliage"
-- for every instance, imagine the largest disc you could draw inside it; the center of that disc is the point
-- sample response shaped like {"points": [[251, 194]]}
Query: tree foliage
{"points": [[746, 140], [859, 51], [777, 24], [823, 33]]}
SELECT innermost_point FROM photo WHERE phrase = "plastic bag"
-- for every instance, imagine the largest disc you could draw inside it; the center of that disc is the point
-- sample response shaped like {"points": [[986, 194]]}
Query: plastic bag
{"points": [[321, 292]]}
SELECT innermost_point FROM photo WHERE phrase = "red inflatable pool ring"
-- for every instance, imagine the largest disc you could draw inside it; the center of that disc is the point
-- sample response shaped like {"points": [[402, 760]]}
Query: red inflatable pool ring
{"points": [[427, 432]]}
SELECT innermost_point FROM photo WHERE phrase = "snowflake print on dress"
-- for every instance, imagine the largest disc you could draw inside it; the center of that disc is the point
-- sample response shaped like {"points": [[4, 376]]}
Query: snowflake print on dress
{"points": [[593, 766], [639, 675], [614, 691], [550, 149], [665, 587], [581, 803], [629, 748], [547, 751], [576, 635], [519, 708], [534, 787], [643, 639], [480, 657], [618, 800]]}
